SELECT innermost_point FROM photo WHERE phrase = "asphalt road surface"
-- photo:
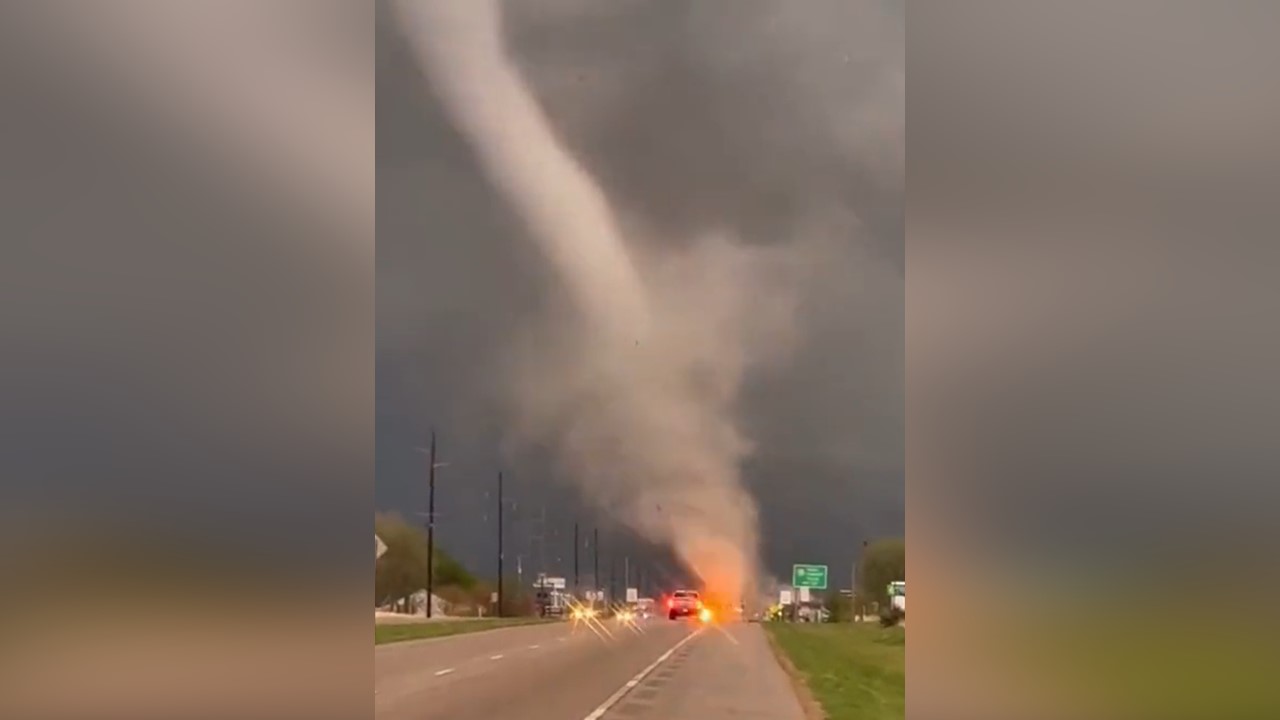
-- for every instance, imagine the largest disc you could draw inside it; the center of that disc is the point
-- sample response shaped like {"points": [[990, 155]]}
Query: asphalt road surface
{"points": [[668, 671]]}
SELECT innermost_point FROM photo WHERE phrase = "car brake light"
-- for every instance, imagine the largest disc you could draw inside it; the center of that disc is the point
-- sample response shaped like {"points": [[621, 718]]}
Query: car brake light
{"points": [[670, 603]]}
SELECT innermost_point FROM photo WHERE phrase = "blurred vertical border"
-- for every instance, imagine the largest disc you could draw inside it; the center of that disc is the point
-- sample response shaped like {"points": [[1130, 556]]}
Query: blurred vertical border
{"points": [[1091, 404], [186, 297]]}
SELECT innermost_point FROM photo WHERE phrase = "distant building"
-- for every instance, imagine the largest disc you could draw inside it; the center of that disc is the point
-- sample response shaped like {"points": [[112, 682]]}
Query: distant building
{"points": [[898, 594]]}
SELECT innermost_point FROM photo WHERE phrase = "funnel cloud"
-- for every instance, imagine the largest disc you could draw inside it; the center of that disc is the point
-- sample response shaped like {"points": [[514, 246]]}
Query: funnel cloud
{"points": [[638, 392]]}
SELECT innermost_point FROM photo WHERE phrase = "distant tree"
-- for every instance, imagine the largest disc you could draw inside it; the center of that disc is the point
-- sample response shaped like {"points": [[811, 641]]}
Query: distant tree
{"points": [[883, 562], [841, 608], [516, 600], [402, 569], [449, 571], [480, 596]]}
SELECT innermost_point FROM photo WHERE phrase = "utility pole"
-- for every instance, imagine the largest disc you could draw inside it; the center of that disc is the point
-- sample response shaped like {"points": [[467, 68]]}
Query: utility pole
{"points": [[595, 573], [626, 573], [613, 576], [431, 523], [857, 579], [500, 595], [576, 590], [542, 542]]}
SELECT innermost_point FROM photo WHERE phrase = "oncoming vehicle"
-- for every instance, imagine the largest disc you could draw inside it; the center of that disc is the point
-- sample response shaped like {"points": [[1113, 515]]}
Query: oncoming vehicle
{"points": [[644, 607], [684, 603]]}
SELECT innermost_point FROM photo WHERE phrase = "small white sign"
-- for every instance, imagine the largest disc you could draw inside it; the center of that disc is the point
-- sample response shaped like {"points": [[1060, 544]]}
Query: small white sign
{"points": [[784, 597], [493, 597], [632, 595], [379, 547], [804, 594]]}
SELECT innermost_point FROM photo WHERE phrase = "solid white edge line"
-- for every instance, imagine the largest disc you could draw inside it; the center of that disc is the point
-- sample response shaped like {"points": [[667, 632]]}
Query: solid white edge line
{"points": [[445, 671], [495, 657], [614, 698]]}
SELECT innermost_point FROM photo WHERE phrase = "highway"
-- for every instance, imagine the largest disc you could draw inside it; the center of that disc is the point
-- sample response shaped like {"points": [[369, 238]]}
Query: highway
{"points": [[669, 671]]}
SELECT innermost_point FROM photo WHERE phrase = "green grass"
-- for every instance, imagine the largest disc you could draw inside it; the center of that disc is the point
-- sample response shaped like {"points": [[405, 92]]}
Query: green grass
{"points": [[399, 632], [857, 671], [1156, 665]]}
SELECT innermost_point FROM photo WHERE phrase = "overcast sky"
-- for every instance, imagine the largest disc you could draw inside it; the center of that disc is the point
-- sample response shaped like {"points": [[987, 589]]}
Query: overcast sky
{"points": [[779, 121]]}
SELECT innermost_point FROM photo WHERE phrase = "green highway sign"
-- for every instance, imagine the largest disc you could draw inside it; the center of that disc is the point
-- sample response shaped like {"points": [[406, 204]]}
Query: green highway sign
{"points": [[809, 576]]}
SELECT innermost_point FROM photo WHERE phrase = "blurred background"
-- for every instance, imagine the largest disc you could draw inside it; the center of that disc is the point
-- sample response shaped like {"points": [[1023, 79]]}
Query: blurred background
{"points": [[188, 387], [1090, 465], [187, 294]]}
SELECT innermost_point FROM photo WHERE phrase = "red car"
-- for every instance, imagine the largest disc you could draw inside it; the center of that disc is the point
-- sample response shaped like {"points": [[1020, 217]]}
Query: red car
{"points": [[683, 603]]}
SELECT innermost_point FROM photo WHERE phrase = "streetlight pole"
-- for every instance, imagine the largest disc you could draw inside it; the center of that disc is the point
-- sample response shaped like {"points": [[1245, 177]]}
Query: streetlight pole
{"points": [[575, 560], [595, 549]]}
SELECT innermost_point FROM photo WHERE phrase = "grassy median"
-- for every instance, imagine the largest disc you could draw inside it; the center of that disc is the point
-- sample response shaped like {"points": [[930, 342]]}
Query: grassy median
{"points": [[856, 671], [399, 632]]}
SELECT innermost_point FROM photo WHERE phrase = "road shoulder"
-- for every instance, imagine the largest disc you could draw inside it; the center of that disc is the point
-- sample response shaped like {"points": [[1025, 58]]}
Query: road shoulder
{"points": [[812, 708]]}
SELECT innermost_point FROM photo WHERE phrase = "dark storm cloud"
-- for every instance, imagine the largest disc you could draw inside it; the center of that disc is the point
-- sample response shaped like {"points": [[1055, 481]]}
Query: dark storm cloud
{"points": [[777, 121]]}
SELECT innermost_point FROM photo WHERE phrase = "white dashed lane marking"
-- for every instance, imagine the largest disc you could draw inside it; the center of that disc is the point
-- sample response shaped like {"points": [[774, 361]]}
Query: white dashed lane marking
{"points": [[445, 671], [613, 699], [495, 657]]}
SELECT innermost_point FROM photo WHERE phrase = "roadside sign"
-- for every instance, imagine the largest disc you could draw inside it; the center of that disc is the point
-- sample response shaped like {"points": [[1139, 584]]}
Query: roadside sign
{"points": [[804, 594], [632, 595], [379, 547], [784, 597], [809, 576], [493, 597]]}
